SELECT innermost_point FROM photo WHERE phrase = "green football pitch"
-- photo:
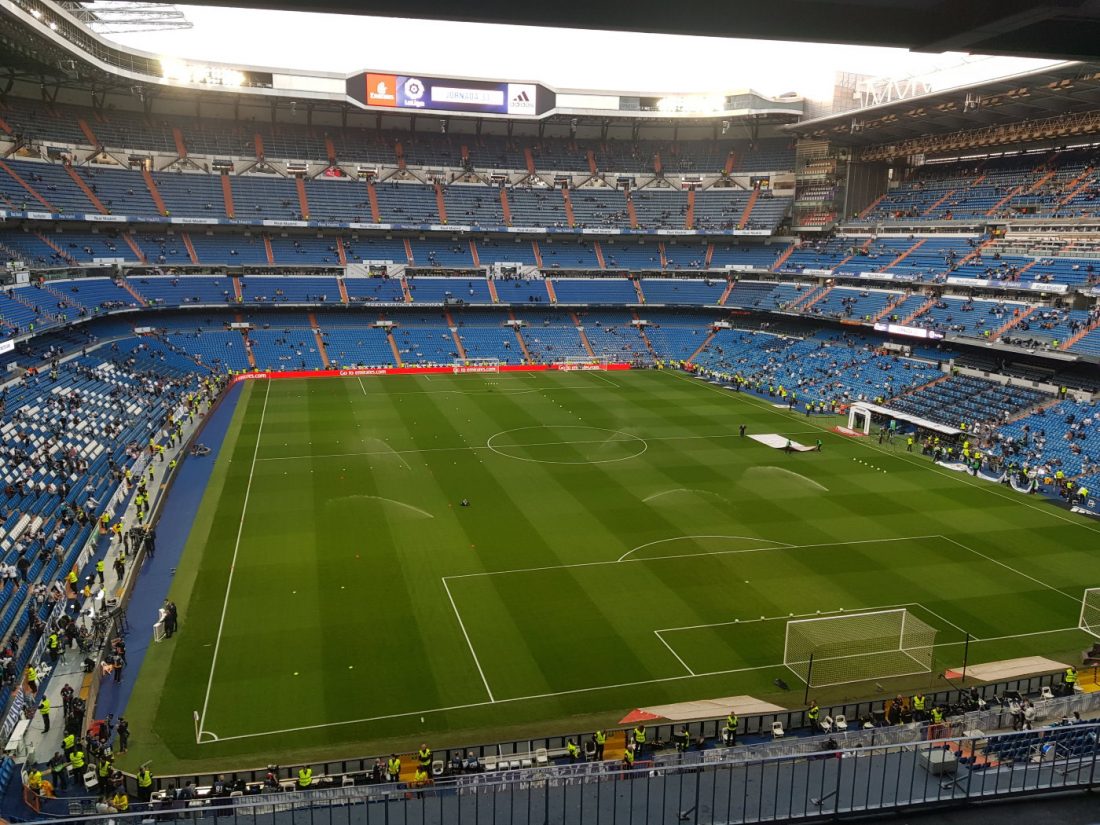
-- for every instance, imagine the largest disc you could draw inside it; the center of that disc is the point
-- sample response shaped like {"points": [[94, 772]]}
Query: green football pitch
{"points": [[622, 547]]}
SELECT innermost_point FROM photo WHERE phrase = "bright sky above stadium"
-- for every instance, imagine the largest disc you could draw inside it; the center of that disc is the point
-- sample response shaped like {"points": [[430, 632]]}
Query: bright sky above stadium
{"points": [[618, 61]]}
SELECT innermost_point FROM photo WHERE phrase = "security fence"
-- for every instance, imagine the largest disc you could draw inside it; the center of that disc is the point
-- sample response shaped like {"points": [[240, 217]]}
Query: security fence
{"points": [[702, 788]]}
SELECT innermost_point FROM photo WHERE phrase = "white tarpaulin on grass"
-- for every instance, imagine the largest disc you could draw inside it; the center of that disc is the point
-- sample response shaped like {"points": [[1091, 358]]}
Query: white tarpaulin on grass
{"points": [[780, 442]]}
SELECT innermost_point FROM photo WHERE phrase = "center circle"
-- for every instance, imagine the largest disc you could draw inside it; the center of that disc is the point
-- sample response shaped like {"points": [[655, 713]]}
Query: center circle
{"points": [[566, 444]]}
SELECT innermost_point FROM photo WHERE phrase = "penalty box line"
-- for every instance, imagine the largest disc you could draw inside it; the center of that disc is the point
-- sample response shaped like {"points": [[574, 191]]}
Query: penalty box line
{"points": [[855, 611], [573, 692]]}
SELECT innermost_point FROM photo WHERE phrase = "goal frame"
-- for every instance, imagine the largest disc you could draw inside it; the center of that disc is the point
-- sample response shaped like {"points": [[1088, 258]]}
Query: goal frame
{"points": [[1082, 624], [576, 363], [805, 674]]}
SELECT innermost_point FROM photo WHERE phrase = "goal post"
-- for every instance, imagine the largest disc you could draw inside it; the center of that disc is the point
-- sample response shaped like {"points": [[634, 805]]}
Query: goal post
{"points": [[573, 364], [1090, 612], [858, 647]]}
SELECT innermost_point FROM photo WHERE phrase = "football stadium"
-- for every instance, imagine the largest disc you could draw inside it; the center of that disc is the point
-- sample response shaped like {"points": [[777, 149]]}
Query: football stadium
{"points": [[442, 447]]}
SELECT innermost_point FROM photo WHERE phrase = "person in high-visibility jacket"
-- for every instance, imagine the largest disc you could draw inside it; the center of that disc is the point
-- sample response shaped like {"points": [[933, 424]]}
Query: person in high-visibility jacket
{"points": [[600, 738], [730, 729], [422, 777], [44, 711], [639, 739], [32, 678], [77, 759], [918, 704], [305, 777], [424, 757], [937, 715], [628, 757], [68, 744], [393, 767], [813, 714], [573, 749], [103, 771], [120, 801], [1069, 680], [145, 784]]}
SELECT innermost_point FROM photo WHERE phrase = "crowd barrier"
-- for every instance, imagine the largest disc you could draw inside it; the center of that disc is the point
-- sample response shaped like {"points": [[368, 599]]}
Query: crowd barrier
{"points": [[828, 784]]}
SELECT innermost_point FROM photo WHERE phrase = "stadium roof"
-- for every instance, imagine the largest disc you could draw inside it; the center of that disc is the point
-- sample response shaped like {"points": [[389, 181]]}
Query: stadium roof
{"points": [[1062, 89], [1058, 29]]}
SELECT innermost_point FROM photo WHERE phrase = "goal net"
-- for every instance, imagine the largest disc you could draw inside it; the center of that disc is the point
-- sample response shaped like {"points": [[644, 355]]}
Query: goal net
{"points": [[857, 647], [1090, 612], [582, 363]]}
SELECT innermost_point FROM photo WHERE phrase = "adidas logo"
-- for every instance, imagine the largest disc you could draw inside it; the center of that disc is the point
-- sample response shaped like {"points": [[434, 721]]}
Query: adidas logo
{"points": [[522, 97]]}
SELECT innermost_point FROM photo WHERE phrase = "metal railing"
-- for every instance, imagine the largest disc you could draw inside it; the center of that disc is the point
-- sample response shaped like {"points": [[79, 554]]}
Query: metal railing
{"points": [[825, 784]]}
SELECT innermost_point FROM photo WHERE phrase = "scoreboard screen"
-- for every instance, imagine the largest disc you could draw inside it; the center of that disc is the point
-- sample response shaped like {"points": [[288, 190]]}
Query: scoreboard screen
{"points": [[437, 94]]}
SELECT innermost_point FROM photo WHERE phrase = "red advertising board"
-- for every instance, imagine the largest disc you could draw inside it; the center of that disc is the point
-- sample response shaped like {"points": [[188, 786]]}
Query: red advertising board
{"points": [[452, 370]]}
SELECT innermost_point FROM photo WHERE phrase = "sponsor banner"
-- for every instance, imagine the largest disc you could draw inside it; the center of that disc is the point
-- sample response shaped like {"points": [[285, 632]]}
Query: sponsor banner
{"points": [[522, 99], [911, 332], [40, 216], [743, 268], [956, 281], [601, 232], [442, 370], [446, 227], [7, 346], [752, 233], [381, 90], [677, 232], [1061, 289], [533, 230], [137, 331], [194, 221], [284, 223], [819, 272], [240, 325], [885, 276], [370, 226], [106, 261], [490, 99], [396, 91], [97, 218]]}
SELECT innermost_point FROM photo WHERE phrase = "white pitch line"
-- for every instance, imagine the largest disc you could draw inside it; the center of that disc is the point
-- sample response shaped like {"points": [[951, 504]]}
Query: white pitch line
{"points": [[363, 388], [233, 562], [961, 478], [603, 378], [684, 556], [572, 692], [820, 613], [686, 538], [473, 652], [1013, 636], [657, 633], [945, 621], [1012, 569], [815, 614]]}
